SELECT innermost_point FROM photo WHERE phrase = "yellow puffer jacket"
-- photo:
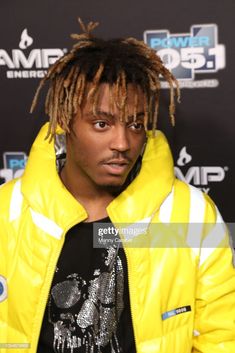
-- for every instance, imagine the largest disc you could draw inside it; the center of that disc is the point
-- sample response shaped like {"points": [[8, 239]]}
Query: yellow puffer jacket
{"points": [[181, 277]]}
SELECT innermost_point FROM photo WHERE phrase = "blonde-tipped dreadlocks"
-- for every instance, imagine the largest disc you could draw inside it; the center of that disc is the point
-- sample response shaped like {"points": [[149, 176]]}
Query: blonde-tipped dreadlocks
{"points": [[94, 61]]}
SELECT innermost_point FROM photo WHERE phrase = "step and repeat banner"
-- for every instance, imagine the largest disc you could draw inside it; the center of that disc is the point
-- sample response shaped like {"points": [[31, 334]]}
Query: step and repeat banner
{"points": [[195, 41]]}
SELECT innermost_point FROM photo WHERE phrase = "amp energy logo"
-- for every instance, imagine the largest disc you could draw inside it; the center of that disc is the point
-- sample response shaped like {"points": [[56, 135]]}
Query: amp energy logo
{"points": [[25, 40], [187, 55], [13, 165], [25, 62], [199, 176]]}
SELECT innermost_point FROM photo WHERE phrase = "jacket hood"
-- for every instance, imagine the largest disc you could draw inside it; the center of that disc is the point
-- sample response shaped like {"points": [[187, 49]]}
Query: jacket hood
{"points": [[46, 194]]}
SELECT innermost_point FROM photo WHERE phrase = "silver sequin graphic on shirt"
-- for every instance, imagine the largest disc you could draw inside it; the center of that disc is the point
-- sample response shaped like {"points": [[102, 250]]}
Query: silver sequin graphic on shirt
{"points": [[95, 325]]}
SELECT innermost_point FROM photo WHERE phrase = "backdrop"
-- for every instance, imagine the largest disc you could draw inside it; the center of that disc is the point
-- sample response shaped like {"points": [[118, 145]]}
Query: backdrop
{"points": [[193, 38]]}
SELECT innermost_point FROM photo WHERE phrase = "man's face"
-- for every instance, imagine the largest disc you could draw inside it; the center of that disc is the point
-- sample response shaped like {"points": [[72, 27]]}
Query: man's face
{"points": [[102, 150]]}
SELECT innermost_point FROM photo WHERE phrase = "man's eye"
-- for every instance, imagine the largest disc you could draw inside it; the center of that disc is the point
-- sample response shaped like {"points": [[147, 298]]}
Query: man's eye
{"points": [[137, 126], [100, 125]]}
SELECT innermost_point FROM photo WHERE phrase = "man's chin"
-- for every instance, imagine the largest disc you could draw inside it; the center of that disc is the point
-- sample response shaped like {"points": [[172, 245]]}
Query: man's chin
{"points": [[114, 188]]}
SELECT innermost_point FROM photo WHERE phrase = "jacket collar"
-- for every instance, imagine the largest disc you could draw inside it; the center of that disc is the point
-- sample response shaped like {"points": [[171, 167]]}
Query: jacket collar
{"points": [[46, 194], [144, 196]]}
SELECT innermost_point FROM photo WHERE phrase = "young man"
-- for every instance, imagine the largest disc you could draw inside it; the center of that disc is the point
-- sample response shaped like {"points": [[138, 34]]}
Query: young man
{"points": [[172, 287]]}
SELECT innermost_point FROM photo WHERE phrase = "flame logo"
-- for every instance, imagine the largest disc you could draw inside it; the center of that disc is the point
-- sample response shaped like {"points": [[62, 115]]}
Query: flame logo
{"points": [[25, 40], [184, 157]]}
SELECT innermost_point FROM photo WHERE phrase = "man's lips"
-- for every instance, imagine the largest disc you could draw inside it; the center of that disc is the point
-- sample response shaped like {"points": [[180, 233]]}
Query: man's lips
{"points": [[117, 166]]}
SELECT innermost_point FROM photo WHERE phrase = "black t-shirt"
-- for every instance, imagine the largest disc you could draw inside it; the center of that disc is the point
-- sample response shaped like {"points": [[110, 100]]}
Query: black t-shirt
{"points": [[88, 308]]}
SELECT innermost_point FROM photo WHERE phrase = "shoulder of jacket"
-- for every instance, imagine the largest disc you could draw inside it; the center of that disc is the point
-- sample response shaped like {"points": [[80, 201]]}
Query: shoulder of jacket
{"points": [[198, 200]]}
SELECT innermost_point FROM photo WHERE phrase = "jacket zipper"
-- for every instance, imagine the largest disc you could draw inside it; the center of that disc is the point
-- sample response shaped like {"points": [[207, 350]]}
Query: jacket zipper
{"points": [[132, 306]]}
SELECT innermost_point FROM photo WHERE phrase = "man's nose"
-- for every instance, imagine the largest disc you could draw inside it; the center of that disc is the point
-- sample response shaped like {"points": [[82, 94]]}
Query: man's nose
{"points": [[120, 139]]}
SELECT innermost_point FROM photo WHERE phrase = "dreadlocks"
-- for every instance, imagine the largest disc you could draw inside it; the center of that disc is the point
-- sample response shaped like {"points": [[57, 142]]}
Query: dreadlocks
{"points": [[117, 62]]}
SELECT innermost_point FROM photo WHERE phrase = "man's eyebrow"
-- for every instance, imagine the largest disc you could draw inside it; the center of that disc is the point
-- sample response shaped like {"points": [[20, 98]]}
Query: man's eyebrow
{"points": [[112, 116], [108, 114], [100, 112], [138, 115]]}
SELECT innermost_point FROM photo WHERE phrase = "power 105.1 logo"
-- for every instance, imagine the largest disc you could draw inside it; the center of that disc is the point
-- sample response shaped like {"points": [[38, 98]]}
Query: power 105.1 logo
{"points": [[13, 165], [187, 54]]}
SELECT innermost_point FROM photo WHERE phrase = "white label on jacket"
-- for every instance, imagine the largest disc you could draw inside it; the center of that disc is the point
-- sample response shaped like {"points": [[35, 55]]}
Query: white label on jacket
{"points": [[3, 288]]}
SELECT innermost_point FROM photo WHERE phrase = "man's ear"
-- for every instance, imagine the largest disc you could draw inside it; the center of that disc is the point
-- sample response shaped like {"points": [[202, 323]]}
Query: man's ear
{"points": [[62, 124], [67, 126]]}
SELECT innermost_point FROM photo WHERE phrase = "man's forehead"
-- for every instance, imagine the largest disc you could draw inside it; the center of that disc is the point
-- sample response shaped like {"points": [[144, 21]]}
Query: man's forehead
{"points": [[108, 103], [131, 89], [109, 90], [107, 94]]}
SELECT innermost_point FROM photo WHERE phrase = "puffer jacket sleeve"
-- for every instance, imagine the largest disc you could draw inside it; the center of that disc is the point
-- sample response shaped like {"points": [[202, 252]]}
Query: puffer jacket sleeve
{"points": [[5, 197], [5, 194], [214, 329]]}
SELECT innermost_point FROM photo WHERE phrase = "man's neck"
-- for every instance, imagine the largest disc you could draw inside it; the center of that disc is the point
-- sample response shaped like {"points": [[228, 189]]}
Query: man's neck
{"points": [[94, 199]]}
